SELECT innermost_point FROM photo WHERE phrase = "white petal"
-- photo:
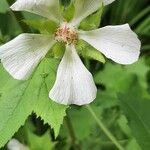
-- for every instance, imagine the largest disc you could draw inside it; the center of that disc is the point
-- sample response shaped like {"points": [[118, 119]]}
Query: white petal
{"points": [[84, 8], [106, 2], [74, 83], [46, 8], [118, 43], [21, 55], [16, 145]]}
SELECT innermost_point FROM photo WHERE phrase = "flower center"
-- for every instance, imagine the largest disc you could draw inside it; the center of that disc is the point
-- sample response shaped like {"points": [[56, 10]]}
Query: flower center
{"points": [[66, 34]]}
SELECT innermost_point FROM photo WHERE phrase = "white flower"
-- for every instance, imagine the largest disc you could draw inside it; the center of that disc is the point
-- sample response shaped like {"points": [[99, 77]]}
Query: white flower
{"points": [[74, 83], [14, 144]]}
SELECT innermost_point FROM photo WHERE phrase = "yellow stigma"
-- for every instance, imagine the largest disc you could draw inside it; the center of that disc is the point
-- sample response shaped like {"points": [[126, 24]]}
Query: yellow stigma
{"points": [[66, 34]]}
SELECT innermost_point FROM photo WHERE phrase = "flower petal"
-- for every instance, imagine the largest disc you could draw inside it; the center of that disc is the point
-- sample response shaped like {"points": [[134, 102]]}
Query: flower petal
{"points": [[46, 8], [118, 43], [84, 8], [74, 83], [106, 2], [14, 144], [21, 55]]}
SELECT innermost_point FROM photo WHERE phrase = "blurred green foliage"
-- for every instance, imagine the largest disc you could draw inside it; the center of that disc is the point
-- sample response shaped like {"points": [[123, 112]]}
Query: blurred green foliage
{"points": [[123, 100]]}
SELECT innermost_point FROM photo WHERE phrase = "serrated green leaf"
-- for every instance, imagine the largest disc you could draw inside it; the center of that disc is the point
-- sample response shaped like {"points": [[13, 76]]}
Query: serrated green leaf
{"points": [[14, 107], [43, 26], [45, 108], [28, 136], [136, 108], [88, 51], [19, 98]]}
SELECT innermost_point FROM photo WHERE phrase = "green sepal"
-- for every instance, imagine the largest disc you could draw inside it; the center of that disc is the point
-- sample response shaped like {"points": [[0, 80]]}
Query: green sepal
{"points": [[65, 3], [68, 11], [93, 21], [57, 51], [42, 25], [87, 51]]}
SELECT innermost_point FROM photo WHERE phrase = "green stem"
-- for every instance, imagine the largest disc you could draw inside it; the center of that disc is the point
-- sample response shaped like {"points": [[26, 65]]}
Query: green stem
{"points": [[105, 130], [139, 16], [71, 133], [70, 129], [19, 17]]}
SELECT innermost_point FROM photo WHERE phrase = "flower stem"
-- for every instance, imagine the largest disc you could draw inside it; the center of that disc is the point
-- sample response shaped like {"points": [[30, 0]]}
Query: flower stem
{"points": [[70, 129], [71, 133], [105, 130]]}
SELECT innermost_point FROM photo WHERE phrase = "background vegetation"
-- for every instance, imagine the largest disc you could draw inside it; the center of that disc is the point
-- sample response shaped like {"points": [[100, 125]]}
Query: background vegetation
{"points": [[122, 106]]}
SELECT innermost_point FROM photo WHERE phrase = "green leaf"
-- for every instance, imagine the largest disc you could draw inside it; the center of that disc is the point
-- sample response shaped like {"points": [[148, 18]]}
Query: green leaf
{"points": [[20, 98], [140, 69], [45, 107], [123, 124], [121, 79], [8, 25], [40, 142], [122, 75], [106, 99], [93, 21], [29, 136], [88, 51], [136, 108], [133, 145], [43, 26], [82, 121]]}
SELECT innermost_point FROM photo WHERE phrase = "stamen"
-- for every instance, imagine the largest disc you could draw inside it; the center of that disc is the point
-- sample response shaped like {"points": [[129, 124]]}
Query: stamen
{"points": [[66, 34]]}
